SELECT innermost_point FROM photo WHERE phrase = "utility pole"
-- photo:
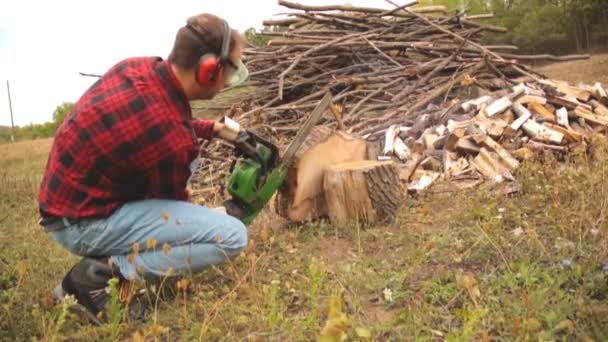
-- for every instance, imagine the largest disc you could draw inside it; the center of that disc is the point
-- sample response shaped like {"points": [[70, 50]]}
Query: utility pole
{"points": [[10, 106]]}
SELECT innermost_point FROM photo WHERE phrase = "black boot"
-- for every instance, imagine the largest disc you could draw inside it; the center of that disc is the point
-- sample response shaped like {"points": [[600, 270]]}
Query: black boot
{"points": [[87, 281]]}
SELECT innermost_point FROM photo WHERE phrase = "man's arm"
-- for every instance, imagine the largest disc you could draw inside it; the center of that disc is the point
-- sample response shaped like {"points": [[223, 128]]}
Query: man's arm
{"points": [[206, 129]]}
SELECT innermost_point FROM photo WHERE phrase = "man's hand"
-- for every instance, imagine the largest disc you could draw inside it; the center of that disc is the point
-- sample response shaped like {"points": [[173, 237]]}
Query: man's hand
{"points": [[217, 128]]}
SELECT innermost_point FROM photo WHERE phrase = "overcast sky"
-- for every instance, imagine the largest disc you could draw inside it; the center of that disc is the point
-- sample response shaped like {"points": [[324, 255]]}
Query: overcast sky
{"points": [[45, 44]]}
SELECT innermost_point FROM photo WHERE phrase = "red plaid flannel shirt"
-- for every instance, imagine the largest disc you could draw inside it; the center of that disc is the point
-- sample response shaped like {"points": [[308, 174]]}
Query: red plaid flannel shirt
{"points": [[131, 136]]}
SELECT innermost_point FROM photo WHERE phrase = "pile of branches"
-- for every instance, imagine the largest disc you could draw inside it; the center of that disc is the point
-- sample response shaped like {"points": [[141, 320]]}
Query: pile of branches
{"points": [[411, 67], [383, 66]]}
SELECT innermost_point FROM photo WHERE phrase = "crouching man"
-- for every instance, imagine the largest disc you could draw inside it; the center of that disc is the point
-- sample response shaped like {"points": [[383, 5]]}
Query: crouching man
{"points": [[118, 169]]}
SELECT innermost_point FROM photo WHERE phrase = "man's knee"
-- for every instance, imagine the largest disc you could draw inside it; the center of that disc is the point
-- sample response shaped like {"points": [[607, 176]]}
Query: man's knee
{"points": [[236, 237]]}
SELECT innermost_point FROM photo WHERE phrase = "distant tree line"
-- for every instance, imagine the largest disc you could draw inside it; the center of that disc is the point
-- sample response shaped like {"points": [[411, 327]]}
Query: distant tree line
{"points": [[37, 131], [542, 26]]}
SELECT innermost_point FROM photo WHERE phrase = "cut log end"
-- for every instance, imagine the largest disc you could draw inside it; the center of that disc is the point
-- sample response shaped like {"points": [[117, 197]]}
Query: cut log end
{"points": [[301, 198], [363, 191]]}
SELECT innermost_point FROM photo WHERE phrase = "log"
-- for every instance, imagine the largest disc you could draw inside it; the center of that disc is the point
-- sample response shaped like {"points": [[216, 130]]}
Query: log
{"points": [[362, 191], [302, 198]]}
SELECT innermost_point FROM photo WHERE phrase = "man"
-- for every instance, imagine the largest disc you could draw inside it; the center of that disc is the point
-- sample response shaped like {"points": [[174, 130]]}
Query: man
{"points": [[115, 186]]}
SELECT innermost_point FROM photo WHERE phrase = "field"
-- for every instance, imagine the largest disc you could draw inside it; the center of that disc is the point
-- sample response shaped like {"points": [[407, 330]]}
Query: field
{"points": [[455, 266]]}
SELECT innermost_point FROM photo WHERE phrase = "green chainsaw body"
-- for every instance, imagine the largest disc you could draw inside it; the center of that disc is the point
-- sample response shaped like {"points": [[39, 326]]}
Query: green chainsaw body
{"points": [[254, 181]]}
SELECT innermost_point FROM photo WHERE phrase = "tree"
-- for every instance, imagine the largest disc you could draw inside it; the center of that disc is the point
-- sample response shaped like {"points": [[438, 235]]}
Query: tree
{"points": [[61, 112], [255, 38]]}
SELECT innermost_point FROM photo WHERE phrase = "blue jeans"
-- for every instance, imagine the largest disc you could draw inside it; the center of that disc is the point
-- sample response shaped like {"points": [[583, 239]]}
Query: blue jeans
{"points": [[173, 238]]}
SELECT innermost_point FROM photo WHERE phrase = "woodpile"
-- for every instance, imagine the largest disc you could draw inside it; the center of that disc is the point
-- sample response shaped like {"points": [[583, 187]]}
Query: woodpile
{"points": [[418, 87]]}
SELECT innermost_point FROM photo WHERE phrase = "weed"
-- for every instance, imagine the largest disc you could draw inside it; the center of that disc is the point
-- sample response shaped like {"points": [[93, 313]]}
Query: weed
{"points": [[316, 275], [66, 303], [114, 311], [275, 315]]}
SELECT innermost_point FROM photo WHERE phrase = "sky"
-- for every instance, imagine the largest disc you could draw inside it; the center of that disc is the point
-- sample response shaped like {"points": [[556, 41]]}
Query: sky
{"points": [[45, 44]]}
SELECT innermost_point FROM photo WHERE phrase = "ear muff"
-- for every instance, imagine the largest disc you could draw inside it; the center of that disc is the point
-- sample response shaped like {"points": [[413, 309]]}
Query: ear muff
{"points": [[209, 70], [210, 67]]}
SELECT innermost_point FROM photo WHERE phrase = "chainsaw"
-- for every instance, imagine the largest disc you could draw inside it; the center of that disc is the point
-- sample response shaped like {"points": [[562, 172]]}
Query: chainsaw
{"points": [[257, 176]]}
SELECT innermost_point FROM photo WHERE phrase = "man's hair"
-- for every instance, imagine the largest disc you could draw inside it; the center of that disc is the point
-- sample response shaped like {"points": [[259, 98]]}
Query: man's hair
{"points": [[189, 47]]}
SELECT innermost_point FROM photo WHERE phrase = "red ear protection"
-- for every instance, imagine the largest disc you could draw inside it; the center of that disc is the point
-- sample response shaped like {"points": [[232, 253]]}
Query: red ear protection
{"points": [[210, 66], [209, 70]]}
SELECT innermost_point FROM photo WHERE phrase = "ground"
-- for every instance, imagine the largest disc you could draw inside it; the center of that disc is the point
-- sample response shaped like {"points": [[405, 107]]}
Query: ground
{"points": [[595, 69], [454, 266]]}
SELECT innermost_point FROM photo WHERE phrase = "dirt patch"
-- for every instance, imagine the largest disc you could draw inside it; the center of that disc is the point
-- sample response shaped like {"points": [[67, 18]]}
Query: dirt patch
{"points": [[590, 70], [377, 314], [335, 251]]}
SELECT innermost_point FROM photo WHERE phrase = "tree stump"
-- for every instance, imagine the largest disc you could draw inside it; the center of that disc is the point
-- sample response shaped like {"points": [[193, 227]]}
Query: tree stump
{"points": [[363, 191], [301, 198]]}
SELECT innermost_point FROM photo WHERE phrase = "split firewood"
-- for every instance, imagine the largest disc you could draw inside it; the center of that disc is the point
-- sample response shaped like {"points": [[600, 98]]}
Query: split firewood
{"points": [[488, 165], [599, 108], [571, 91], [528, 99], [430, 139], [524, 115], [569, 134], [477, 132], [504, 102], [542, 111], [362, 191], [401, 149], [536, 130], [466, 146], [453, 164], [454, 125], [493, 127], [570, 103], [499, 106], [529, 90], [424, 181], [535, 145], [453, 138], [389, 141], [590, 116], [505, 157], [476, 104], [600, 93], [562, 117], [302, 196]]}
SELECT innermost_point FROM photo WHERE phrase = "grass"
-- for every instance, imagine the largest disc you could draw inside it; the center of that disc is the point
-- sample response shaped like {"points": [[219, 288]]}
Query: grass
{"points": [[456, 266]]}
